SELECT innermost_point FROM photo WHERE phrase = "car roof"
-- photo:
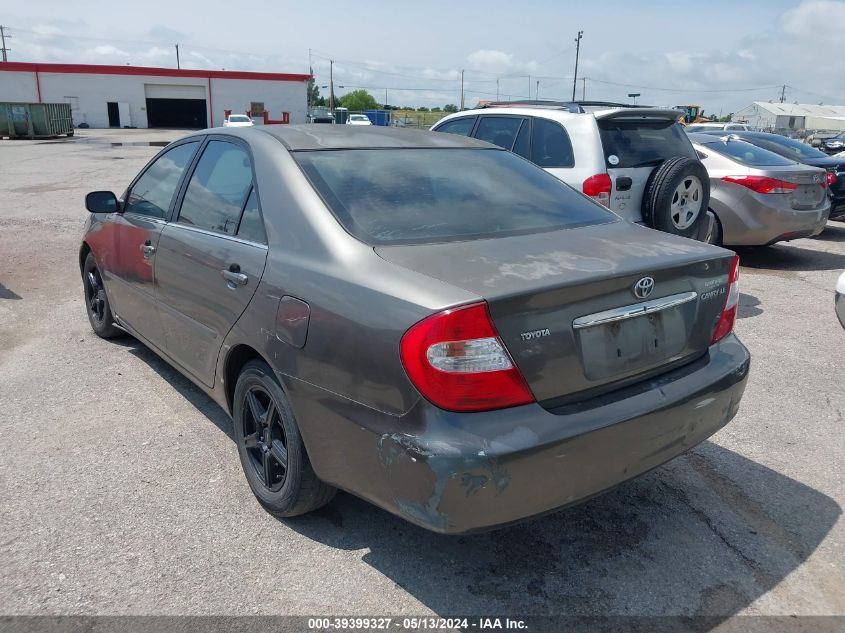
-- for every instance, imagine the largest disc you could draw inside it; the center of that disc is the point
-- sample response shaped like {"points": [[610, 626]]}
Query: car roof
{"points": [[704, 138], [560, 113], [315, 137]]}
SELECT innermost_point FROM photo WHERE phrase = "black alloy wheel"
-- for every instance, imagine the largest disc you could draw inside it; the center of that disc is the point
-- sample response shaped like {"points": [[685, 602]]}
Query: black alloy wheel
{"points": [[264, 438]]}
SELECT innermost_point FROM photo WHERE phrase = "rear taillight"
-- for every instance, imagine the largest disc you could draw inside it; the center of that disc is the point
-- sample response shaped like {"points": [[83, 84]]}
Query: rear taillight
{"points": [[457, 361], [831, 178], [598, 187], [728, 316], [762, 184]]}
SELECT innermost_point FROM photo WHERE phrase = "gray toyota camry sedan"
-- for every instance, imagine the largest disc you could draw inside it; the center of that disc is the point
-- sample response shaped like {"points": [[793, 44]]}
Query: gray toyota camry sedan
{"points": [[424, 320]]}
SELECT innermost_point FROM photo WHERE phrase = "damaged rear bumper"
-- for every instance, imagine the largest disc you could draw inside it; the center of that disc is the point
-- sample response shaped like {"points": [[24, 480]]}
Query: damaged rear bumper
{"points": [[454, 473]]}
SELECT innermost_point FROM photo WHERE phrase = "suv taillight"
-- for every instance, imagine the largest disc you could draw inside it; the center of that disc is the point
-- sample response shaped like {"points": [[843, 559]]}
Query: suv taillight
{"points": [[762, 184], [831, 178], [457, 361], [598, 187], [728, 316]]}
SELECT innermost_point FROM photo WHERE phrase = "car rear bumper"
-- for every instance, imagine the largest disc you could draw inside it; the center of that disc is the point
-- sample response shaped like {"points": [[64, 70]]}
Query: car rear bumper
{"points": [[757, 225], [455, 473]]}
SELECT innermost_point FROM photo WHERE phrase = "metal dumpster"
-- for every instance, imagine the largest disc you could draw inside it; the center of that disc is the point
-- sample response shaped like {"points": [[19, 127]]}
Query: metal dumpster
{"points": [[35, 120]]}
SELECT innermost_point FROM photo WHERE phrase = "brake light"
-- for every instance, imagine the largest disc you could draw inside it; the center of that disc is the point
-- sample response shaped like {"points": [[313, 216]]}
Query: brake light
{"points": [[831, 179], [762, 184], [598, 187], [728, 316], [457, 361]]}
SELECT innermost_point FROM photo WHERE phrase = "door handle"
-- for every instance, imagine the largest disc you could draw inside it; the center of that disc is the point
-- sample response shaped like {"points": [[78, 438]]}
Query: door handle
{"points": [[147, 249], [234, 277]]}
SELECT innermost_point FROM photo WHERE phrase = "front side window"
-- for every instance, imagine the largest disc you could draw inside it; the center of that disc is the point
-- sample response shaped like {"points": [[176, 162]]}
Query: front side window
{"points": [[499, 130], [406, 196], [462, 126], [218, 188], [153, 193], [550, 146]]}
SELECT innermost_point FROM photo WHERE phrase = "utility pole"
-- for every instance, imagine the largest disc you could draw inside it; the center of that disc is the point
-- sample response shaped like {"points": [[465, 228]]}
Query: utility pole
{"points": [[783, 94], [497, 88], [583, 88], [529, 87], [537, 90], [178, 65], [3, 37], [331, 86], [310, 83], [385, 98], [577, 51], [462, 90]]}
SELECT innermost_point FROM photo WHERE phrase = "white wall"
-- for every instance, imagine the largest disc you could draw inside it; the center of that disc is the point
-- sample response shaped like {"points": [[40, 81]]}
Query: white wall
{"points": [[278, 97], [18, 86], [94, 91]]}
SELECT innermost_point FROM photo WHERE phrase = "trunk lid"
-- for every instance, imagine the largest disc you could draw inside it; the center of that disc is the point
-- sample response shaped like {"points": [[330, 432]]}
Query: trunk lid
{"points": [[811, 189], [564, 303]]}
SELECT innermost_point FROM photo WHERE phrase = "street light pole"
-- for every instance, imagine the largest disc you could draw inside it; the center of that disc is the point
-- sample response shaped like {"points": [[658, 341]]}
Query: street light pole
{"points": [[577, 51]]}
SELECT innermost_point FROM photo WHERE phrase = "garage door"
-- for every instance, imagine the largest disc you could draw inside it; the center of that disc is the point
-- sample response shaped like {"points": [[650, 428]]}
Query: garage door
{"points": [[170, 91], [178, 106]]}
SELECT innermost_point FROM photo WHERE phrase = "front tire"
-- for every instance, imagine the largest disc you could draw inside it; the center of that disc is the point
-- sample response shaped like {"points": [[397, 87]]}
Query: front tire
{"points": [[270, 446], [97, 302]]}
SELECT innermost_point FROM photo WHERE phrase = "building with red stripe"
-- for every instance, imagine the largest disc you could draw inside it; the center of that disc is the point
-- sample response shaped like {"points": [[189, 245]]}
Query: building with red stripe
{"points": [[138, 96]]}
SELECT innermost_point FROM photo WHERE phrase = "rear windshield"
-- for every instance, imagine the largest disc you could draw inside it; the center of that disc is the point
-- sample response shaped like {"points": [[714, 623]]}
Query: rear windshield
{"points": [[790, 148], [749, 154], [238, 118], [642, 143], [405, 196]]}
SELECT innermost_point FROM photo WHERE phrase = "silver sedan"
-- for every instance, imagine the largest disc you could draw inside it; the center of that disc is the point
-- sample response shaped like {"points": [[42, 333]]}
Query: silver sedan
{"points": [[759, 197]]}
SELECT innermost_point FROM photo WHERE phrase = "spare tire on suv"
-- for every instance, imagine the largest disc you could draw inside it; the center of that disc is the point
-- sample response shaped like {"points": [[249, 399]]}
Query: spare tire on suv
{"points": [[676, 197]]}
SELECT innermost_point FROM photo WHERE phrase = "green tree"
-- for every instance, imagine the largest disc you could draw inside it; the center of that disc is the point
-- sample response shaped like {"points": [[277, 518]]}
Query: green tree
{"points": [[358, 100], [450, 107], [314, 97], [422, 109], [436, 109]]}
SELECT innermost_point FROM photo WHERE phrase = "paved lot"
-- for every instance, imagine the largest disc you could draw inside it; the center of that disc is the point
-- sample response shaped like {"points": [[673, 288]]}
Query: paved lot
{"points": [[121, 490]]}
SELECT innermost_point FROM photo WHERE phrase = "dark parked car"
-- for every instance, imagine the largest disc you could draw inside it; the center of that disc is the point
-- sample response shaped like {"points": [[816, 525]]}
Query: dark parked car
{"points": [[427, 321], [803, 153], [834, 144]]}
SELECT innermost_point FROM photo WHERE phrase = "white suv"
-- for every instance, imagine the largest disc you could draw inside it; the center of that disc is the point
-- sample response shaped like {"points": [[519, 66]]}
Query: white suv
{"points": [[636, 161]]}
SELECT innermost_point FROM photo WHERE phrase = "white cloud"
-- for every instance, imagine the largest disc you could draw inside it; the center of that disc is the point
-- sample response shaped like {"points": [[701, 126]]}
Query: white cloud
{"points": [[107, 50], [816, 20], [499, 63]]}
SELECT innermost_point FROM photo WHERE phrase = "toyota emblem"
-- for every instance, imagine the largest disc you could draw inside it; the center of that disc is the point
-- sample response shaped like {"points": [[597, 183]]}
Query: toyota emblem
{"points": [[643, 288]]}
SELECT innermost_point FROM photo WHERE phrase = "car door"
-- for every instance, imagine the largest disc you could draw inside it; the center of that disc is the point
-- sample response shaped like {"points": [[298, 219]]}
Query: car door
{"points": [[134, 234], [211, 256]]}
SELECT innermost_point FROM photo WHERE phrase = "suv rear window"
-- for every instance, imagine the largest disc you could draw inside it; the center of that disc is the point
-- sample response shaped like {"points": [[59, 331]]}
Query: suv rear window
{"points": [[406, 196], [642, 143], [749, 154]]}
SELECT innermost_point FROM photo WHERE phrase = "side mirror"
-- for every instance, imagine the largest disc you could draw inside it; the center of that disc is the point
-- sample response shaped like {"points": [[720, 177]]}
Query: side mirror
{"points": [[102, 202]]}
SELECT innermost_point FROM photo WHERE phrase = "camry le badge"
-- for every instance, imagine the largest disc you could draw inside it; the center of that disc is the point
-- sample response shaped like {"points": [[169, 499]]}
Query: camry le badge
{"points": [[643, 288]]}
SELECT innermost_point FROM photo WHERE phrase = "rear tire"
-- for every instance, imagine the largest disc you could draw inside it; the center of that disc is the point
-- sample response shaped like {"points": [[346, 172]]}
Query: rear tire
{"points": [[270, 446], [715, 234], [97, 302], [676, 197]]}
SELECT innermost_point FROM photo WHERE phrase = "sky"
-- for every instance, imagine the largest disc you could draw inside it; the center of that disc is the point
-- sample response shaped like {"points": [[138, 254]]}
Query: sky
{"points": [[720, 54]]}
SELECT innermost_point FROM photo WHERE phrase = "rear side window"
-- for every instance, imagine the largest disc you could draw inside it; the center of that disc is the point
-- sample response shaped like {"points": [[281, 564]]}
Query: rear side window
{"points": [[153, 192], [642, 143], [218, 188], [790, 148], [459, 126], [406, 196], [550, 146], [252, 226], [749, 154], [499, 130]]}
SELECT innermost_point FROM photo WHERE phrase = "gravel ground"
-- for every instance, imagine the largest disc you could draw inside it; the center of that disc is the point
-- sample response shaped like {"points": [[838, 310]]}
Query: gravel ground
{"points": [[121, 490]]}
